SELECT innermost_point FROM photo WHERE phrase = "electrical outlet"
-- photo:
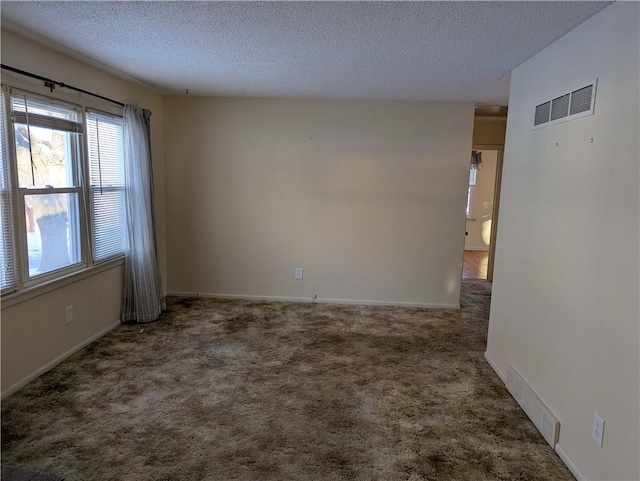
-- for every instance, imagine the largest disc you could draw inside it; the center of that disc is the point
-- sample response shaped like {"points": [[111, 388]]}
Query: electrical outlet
{"points": [[69, 314], [298, 273], [597, 430]]}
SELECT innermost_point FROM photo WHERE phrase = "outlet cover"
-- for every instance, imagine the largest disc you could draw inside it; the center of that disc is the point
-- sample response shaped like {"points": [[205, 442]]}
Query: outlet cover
{"points": [[597, 429], [298, 273], [69, 314]]}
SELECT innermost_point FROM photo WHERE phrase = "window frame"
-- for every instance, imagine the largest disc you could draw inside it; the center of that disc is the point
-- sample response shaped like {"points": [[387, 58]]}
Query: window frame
{"points": [[29, 280], [87, 263], [77, 173]]}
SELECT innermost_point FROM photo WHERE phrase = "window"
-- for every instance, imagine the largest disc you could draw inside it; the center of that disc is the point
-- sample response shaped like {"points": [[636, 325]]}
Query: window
{"points": [[47, 151], [8, 266], [66, 166], [106, 185], [472, 185]]}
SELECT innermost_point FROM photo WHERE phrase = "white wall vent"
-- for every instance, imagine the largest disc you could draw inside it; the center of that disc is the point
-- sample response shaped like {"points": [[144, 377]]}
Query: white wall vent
{"points": [[577, 103], [538, 412]]}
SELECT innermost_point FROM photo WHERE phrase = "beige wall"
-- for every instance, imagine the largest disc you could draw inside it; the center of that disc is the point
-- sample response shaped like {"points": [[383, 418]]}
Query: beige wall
{"points": [[565, 308], [35, 336], [488, 131], [367, 197], [34, 333]]}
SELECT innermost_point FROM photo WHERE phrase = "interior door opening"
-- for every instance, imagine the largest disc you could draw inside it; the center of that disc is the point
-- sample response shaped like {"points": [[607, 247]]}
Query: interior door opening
{"points": [[482, 213]]}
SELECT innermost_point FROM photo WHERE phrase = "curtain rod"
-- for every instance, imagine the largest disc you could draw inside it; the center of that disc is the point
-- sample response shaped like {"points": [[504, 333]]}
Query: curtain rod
{"points": [[52, 83]]}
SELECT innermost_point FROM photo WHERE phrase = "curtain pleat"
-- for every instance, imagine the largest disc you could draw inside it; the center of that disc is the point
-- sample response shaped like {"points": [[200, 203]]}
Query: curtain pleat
{"points": [[143, 296]]}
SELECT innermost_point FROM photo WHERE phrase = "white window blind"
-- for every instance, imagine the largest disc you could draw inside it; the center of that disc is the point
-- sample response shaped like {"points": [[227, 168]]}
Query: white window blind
{"points": [[24, 104], [8, 269], [106, 180]]}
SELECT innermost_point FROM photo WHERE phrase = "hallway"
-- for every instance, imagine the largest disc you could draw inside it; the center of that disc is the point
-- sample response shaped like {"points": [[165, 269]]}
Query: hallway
{"points": [[475, 264]]}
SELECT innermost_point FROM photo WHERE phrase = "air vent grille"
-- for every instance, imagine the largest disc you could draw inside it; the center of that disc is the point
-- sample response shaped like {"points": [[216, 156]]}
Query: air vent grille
{"points": [[581, 100], [567, 106], [542, 113], [532, 405], [560, 107]]}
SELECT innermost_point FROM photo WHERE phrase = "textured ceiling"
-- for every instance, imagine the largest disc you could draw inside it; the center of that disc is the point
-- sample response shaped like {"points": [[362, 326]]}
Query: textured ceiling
{"points": [[439, 51]]}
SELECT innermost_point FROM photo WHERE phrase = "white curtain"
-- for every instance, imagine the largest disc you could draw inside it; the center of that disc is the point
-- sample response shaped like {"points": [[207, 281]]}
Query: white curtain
{"points": [[143, 297]]}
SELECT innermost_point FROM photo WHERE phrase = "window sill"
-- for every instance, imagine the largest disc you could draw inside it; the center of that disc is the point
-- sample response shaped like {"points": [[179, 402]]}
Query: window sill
{"points": [[29, 293]]}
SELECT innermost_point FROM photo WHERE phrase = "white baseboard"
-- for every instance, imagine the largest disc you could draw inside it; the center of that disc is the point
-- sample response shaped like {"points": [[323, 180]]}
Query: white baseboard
{"points": [[239, 296], [318, 300], [495, 367], [562, 454], [566, 459], [50, 365], [540, 414], [366, 302]]}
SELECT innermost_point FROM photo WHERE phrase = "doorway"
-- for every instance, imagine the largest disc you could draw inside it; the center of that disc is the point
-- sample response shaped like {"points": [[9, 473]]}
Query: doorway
{"points": [[482, 213]]}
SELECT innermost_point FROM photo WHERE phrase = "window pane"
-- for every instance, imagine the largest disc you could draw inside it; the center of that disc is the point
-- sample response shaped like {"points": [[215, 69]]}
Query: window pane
{"points": [[109, 223], [48, 160], [53, 233], [106, 152], [106, 173], [472, 176], [48, 108]]}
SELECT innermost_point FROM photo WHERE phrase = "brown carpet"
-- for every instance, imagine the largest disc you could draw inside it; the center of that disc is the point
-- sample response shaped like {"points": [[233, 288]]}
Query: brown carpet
{"points": [[240, 390], [9, 473]]}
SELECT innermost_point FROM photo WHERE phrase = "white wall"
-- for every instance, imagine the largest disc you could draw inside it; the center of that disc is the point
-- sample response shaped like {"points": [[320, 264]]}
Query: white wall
{"points": [[565, 308], [34, 334], [367, 197], [479, 224]]}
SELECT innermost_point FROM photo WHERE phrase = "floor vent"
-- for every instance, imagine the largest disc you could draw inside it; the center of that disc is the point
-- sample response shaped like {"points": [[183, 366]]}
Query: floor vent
{"points": [[528, 400], [577, 103]]}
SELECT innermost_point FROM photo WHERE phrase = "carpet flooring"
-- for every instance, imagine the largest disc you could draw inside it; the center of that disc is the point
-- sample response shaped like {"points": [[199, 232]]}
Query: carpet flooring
{"points": [[245, 390], [10, 473]]}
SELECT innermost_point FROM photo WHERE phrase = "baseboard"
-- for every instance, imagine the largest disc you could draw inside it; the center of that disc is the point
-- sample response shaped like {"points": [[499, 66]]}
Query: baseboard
{"points": [[540, 414], [495, 367], [239, 296], [50, 365], [562, 454], [483, 249], [318, 300], [367, 302], [566, 459]]}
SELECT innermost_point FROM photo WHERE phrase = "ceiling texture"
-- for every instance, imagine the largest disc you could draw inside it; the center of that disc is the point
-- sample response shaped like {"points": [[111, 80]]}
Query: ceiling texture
{"points": [[437, 51]]}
